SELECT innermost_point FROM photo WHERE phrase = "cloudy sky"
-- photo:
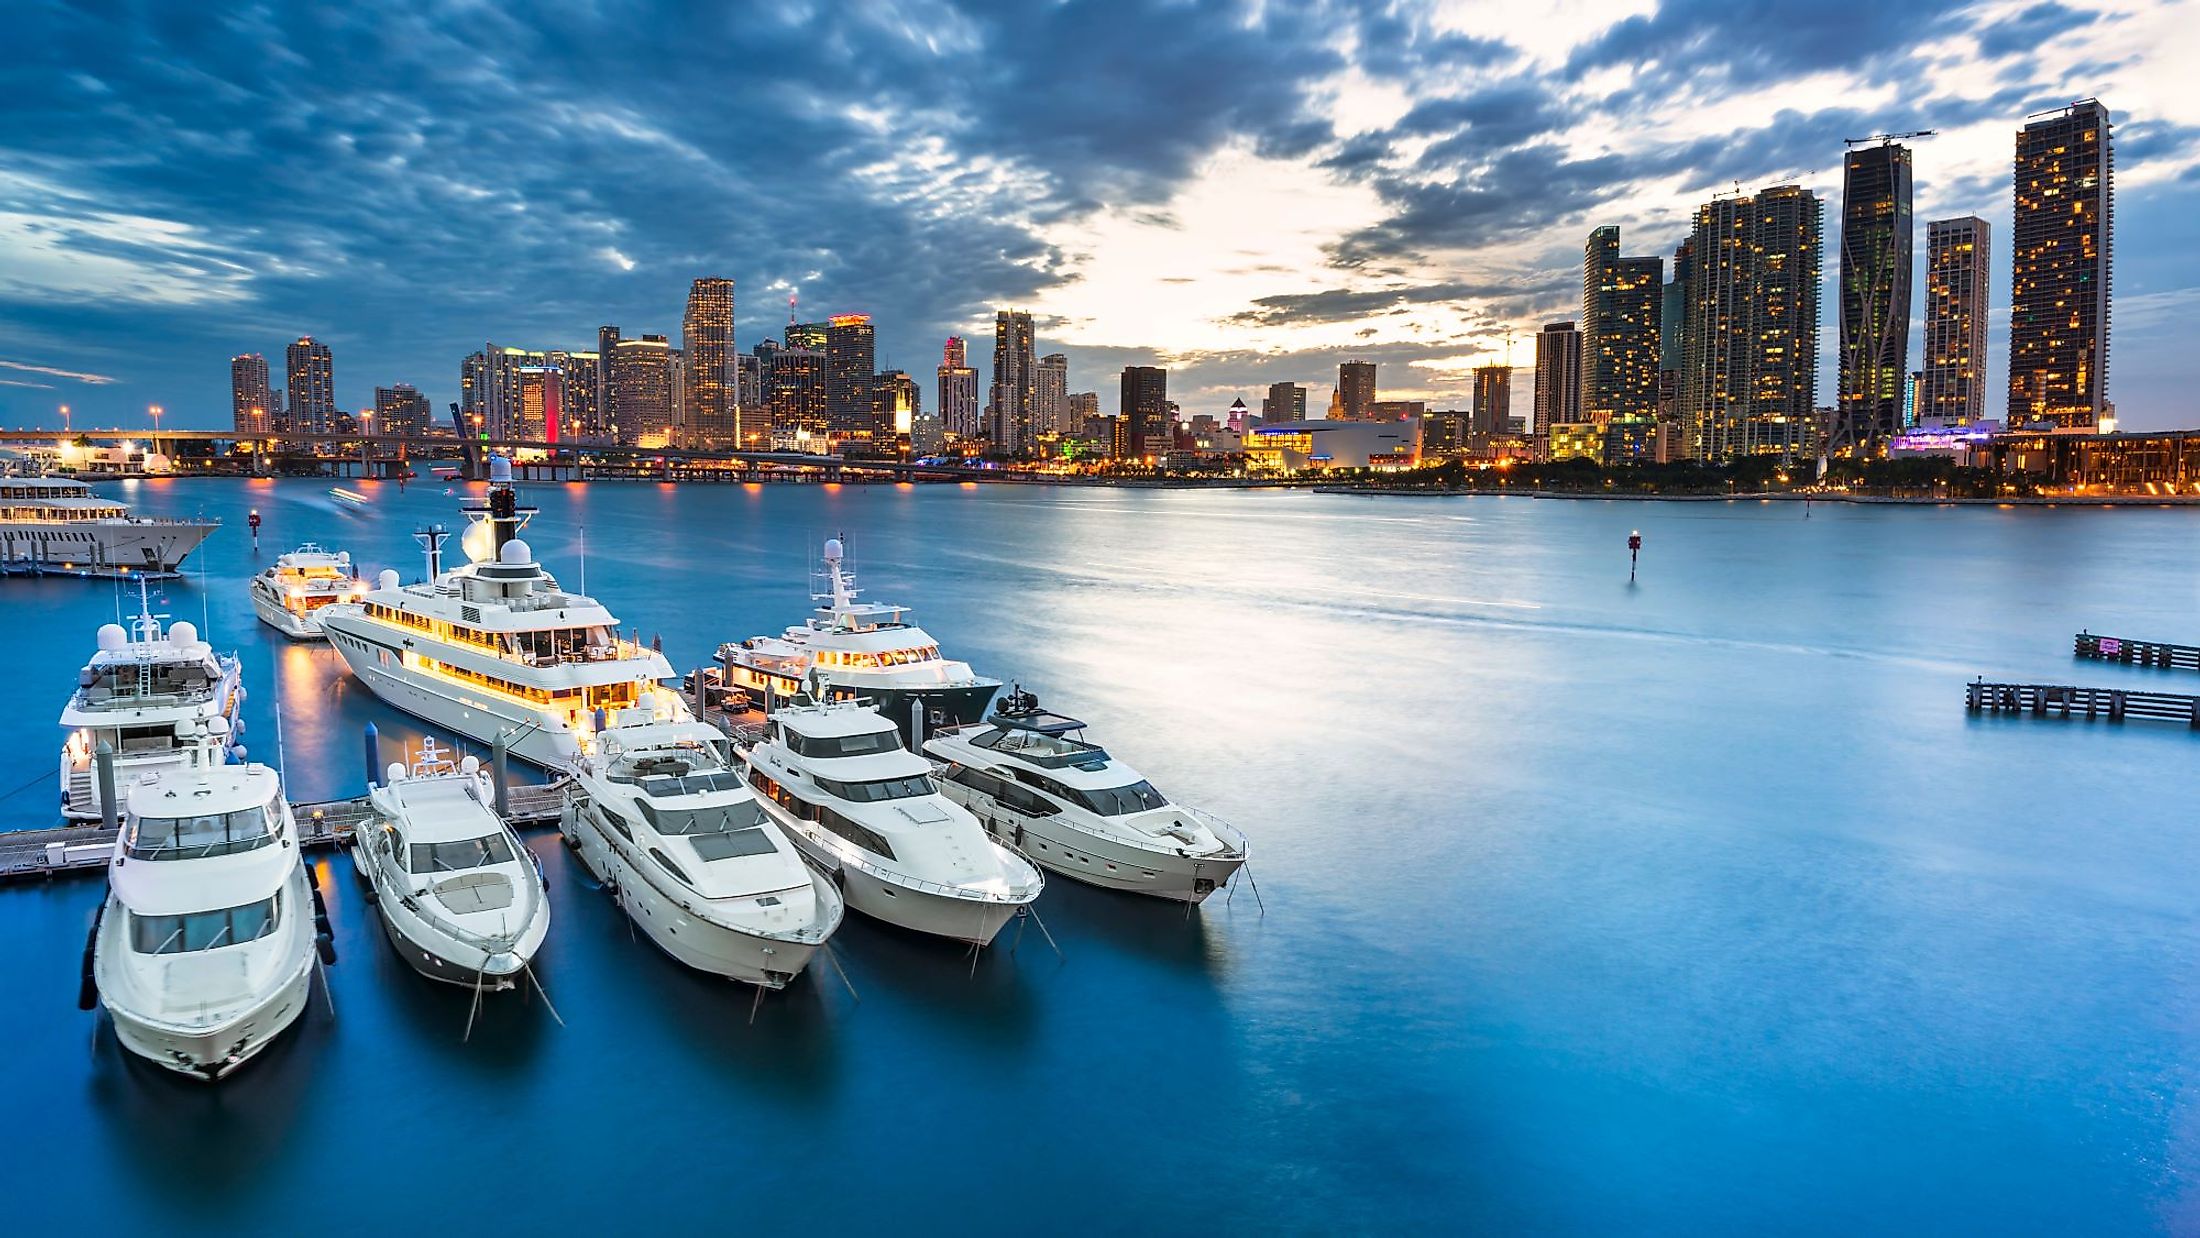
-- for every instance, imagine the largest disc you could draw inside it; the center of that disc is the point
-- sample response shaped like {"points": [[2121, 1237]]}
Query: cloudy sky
{"points": [[1246, 193]]}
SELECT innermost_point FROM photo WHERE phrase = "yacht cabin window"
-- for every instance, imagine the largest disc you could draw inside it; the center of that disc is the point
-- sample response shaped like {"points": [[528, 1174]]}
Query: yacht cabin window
{"points": [[202, 930], [866, 744], [877, 789], [458, 856], [198, 837]]}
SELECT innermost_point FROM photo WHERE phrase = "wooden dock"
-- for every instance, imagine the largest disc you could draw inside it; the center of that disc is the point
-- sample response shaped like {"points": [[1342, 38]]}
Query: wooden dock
{"points": [[33, 853], [2137, 652], [2077, 701]]}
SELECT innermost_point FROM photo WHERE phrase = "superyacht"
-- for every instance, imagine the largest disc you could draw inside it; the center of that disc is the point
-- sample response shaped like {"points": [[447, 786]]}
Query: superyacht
{"points": [[57, 526], [289, 596], [160, 698]]}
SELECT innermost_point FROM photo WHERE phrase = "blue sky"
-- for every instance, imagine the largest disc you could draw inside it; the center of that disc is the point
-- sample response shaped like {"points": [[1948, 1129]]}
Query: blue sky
{"points": [[1246, 193]]}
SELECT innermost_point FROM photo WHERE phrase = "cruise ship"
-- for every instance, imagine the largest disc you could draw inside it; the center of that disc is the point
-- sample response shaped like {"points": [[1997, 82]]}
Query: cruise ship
{"points": [[56, 526], [289, 596], [858, 649], [496, 648], [160, 698]]}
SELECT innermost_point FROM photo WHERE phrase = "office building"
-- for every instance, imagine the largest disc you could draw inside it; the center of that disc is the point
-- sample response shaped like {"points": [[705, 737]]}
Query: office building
{"points": [[1621, 308], [1875, 295], [1355, 395], [1557, 378], [251, 404], [1958, 259], [851, 347], [794, 395], [311, 387], [958, 391], [1749, 374], [1492, 399], [1145, 410], [808, 335], [2063, 237], [1015, 383], [1050, 395], [1284, 402], [895, 402], [402, 410], [711, 392], [643, 390]]}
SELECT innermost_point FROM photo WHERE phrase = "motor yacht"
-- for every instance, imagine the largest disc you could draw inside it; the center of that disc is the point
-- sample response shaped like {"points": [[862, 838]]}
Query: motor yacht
{"points": [[56, 525], [289, 596], [497, 647], [867, 649], [460, 895], [159, 697], [1037, 784], [204, 948], [659, 813], [835, 777]]}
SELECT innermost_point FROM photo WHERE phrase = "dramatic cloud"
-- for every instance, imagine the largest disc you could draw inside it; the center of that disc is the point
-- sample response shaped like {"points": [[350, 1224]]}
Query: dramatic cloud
{"points": [[1247, 191]]}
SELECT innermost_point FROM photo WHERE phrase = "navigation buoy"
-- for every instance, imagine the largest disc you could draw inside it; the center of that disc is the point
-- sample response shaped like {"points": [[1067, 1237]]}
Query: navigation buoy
{"points": [[254, 521], [1634, 551]]}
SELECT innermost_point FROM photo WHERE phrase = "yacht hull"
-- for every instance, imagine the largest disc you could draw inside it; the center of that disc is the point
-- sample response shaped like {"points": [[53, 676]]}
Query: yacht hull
{"points": [[704, 945], [126, 548], [974, 921], [439, 956], [478, 720], [1099, 861], [296, 627]]}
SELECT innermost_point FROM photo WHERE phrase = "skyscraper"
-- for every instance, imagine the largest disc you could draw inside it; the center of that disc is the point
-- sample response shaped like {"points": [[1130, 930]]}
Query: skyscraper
{"points": [[642, 390], [851, 348], [541, 403], [401, 410], [958, 405], [312, 383], [607, 404], [1958, 260], [895, 402], [2064, 231], [1050, 395], [1284, 402], [1355, 397], [794, 394], [1145, 409], [1015, 385], [1875, 293], [711, 395], [1557, 379], [1749, 373], [810, 335], [1621, 300], [1492, 399], [251, 405]]}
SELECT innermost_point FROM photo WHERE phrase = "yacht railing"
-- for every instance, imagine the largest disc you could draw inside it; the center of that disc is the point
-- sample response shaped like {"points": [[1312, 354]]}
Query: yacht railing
{"points": [[1014, 894], [802, 936]]}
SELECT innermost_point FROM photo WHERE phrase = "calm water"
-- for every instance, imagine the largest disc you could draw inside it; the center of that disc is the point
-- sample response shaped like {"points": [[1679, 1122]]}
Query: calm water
{"points": [[1694, 904]]}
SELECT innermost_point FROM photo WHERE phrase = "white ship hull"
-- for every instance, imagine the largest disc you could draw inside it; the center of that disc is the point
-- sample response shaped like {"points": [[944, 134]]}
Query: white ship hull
{"points": [[1097, 860], [708, 946], [275, 615], [100, 547], [550, 744], [440, 956], [977, 921]]}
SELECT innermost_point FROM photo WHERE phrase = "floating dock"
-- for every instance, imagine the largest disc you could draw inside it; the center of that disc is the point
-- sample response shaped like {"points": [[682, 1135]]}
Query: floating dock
{"points": [[2078, 701], [33, 853], [2137, 652]]}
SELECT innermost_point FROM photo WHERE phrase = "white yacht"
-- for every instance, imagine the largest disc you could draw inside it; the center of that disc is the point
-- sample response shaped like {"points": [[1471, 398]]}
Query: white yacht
{"points": [[835, 776], [867, 649], [159, 697], [461, 896], [289, 596], [57, 525], [661, 815], [204, 948], [497, 647], [1035, 782]]}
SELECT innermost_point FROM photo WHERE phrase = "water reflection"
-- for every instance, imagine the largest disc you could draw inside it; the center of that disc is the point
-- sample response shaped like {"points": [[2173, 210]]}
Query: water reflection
{"points": [[1149, 928], [989, 999]]}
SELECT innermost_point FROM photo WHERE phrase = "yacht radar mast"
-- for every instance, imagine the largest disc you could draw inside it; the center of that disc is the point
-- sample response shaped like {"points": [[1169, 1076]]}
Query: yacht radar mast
{"points": [[502, 509]]}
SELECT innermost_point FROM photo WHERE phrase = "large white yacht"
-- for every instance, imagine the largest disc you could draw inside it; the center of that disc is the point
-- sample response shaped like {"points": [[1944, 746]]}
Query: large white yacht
{"points": [[56, 525], [497, 647], [289, 596], [867, 649], [834, 775], [159, 697], [1035, 782], [204, 949], [660, 814], [459, 893]]}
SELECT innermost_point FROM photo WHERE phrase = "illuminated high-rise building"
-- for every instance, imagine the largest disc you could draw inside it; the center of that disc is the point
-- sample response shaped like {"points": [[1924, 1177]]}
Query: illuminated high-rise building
{"points": [[1492, 399], [1557, 379], [312, 387], [401, 410], [794, 394], [607, 410], [642, 389], [810, 335], [1355, 395], [2063, 235], [1958, 260], [541, 403], [1015, 383], [1050, 395], [1749, 365], [958, 391], [251, 404], [1622, 303], [895, 403], [711, 393], [1875, 293], [851, 351], [1145, 410]]}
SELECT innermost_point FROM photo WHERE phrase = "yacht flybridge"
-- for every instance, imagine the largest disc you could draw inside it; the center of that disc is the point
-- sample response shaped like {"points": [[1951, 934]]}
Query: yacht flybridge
{"points": [[496, 647], [1035, 782], [661, 816], [289, 596], [204, 949], [835, 776], [459, 893], [159, 697], [867, 649]]}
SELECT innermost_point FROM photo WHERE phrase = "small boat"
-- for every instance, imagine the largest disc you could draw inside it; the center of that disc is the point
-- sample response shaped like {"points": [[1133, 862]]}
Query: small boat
{"points": [[834, 776], [289, 596], [1039, 786], [350, 498], [460, 895], [204, 949]]}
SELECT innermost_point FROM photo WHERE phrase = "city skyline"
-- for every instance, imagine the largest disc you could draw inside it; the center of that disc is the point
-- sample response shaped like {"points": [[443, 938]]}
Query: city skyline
{"points": [[1265, 243]]}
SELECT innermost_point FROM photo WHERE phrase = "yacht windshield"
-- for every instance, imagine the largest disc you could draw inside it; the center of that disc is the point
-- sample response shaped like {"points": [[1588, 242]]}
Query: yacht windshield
{"points": [[193, 838], [879, 789], [202, 930], [719, 832], [691, 784], [1119, 801], [844, 745], [459, 856]]}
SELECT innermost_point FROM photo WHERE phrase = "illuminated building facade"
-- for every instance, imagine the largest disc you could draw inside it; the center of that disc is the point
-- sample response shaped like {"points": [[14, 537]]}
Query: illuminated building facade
{"points": [[794, 394], [1050, 395], [1622, 301], [711, 393], [251, 404], [1557, 379], [1577, 440], [2063, 233], [1015, 385], [312, 387], [1355, 395], [642, 389], [1875, 294], [401, 410], [958, 390], [1145, 410], [1749, 373], [851, 351], [1335, 443], [1492, 399]]}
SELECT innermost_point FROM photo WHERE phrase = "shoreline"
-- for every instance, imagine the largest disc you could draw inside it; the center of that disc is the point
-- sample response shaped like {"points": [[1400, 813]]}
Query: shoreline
{"points": [[2038, 500]]}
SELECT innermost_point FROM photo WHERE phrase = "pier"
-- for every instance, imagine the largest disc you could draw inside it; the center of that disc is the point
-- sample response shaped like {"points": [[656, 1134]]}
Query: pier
{"points": [[2079, 701], [42, 852], [2137, 652]]}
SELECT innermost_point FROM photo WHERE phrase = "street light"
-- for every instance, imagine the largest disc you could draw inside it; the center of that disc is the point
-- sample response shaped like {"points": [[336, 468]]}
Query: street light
{"points": [[64, 417], [156, 410]]}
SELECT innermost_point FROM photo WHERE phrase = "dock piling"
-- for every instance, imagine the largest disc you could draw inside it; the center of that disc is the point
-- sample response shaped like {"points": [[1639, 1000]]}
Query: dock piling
{"points": [[103, 759], [501, 774]]}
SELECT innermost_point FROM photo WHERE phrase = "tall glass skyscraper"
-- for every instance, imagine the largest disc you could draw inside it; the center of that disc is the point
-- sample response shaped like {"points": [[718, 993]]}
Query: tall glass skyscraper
{"points": [[1015, 385], [711, 396], [851, 352], [1622, 301], [1749, 348], [2064, 233], [1958, 259], [1875, 293]]}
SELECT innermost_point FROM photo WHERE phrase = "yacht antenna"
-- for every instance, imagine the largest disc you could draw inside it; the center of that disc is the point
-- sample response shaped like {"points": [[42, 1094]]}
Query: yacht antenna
{"points": [[431, 538]]}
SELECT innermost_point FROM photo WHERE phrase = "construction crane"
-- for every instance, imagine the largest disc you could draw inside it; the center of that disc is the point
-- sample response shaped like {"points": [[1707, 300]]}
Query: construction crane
{"points": [[1890, 138]]}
